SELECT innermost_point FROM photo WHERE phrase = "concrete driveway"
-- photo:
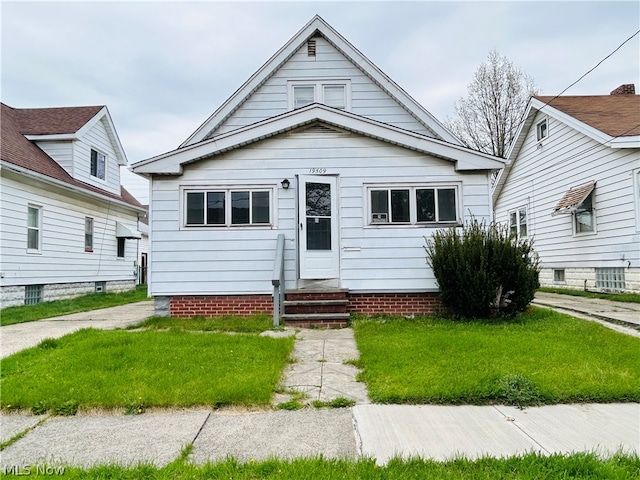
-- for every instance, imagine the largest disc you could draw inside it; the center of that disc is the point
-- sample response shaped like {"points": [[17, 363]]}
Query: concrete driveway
{"points": [[14, 338]]}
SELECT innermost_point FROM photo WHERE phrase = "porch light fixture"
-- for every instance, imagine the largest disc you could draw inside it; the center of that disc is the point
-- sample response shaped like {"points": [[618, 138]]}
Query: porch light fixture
{"points": [[285, 183]]}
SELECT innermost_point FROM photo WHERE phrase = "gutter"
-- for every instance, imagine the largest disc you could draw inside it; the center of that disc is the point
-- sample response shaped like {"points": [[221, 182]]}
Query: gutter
{"points": [[66, 186]]}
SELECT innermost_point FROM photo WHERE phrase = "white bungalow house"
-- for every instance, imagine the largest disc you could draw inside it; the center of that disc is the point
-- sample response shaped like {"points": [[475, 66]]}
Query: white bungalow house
{"points": [[321, 147], [68, 226], [572, 182]]}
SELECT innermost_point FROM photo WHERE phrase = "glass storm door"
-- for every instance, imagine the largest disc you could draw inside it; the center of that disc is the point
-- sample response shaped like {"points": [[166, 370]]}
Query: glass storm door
{"points": [[318, 216]]}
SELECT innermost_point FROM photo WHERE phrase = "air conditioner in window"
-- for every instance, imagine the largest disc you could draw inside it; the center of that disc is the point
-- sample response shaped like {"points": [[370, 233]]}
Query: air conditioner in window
{"points": [[379, 218]]}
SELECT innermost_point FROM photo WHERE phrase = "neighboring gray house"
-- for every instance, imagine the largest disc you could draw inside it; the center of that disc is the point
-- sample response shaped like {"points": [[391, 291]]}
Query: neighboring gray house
{"points": [[572, 182], [68, 226], [322, 147]]}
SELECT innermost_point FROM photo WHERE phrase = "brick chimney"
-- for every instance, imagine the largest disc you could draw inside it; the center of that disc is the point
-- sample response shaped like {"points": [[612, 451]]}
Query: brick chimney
{"points": [[628, 89]]}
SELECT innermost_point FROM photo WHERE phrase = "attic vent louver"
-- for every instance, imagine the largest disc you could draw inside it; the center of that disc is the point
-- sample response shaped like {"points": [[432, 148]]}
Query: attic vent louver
{"points": [[311, 48]]}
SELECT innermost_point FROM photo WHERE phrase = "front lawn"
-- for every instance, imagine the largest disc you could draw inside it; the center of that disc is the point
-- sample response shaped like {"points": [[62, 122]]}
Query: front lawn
{"points": [[228, 323], [141, 369], [84, 303], [541, 357]]}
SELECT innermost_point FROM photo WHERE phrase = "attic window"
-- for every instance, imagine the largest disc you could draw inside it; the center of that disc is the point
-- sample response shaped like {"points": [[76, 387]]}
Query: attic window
{"points": [[311, 48], [542, 131], [98, 164]]}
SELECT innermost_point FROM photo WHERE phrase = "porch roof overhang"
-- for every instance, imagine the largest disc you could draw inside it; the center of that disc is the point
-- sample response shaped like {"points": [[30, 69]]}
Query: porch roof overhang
{"points": [[573, 198], [172, 163], [122, 231]]}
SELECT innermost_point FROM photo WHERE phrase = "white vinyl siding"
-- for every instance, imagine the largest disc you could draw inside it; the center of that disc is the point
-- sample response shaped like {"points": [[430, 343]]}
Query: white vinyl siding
{"points": [[364, 97], [541, 176], [97, 139], [62, 257], [189, 260]]}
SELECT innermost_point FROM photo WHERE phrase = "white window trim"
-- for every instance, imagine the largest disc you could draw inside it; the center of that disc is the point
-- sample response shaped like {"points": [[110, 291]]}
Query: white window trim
{"points": [[636, 196], [593, 213], [89, 249], [39, 209], [319, 90], [106, 164], [518, 223], [227, 189], [538, 123], [413, 213], [124, 248]]}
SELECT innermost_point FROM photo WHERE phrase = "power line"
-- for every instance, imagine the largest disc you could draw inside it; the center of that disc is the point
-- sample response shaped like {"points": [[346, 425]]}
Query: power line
{"points": [[567, 88]]}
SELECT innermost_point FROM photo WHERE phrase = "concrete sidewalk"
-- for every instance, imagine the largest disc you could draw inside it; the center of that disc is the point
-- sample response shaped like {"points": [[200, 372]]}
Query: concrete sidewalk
{"points": [[14, 338], [621, 316], [372, 431]]}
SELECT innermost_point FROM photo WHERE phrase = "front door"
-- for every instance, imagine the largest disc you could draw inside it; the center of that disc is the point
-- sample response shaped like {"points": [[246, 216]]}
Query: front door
{"points": [[318, 217]]}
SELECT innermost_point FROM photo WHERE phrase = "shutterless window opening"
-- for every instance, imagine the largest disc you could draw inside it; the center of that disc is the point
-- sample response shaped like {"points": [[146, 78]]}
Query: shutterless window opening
{"points": [[413, 205], [98, 164], [228, 207]]}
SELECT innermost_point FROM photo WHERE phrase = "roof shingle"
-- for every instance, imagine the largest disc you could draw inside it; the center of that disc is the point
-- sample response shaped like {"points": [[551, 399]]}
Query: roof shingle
{"points": [[16, 149], [615, 115]]}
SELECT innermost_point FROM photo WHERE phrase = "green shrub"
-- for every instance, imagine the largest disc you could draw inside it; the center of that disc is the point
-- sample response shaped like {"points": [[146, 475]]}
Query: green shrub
{"points": [[483, 271]]}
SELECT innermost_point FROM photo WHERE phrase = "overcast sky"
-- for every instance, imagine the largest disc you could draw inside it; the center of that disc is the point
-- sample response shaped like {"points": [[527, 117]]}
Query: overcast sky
{"points": [[163, 67]]}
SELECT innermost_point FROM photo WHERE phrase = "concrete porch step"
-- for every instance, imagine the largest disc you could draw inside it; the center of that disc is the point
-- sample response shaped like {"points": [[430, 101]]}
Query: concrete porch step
{"points": [[318, 320]]}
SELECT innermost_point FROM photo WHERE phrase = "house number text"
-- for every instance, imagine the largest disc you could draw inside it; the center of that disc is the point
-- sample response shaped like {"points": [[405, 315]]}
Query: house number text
{"points": [[317, 170]]}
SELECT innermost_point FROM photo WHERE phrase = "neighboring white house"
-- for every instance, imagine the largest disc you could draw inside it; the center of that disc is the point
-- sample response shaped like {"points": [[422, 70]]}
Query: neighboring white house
{"points": [[572, 182], [68, 226], [321, 146]]}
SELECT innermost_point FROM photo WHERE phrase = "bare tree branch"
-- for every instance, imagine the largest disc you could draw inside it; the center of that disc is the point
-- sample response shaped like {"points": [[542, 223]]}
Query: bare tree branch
{"points": [[488, 118]]}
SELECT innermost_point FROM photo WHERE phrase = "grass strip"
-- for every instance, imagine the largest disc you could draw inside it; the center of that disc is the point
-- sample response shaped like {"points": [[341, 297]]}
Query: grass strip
{"points": [[228, 323], [84, 303], [615, 297], [540, 357], [526, 467], [111, 369]]}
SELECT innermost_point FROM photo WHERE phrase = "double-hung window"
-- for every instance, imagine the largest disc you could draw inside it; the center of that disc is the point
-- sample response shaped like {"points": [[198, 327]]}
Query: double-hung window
{"points": [[518, 222], [88, 234], [414, 204], [98, 164], [335, 94], [228, 207], [34, 219]]}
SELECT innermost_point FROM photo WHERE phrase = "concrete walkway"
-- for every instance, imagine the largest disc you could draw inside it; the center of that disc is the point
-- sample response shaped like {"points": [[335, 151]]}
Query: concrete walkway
{"points": [[365, 430], [14, 338], [319, 371]]}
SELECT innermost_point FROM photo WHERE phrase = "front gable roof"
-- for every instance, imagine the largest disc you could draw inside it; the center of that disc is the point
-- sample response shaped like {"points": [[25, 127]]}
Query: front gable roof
{"points": [[67, 123], [612, 120], [19, 153], [317, 26], [172, 163]]}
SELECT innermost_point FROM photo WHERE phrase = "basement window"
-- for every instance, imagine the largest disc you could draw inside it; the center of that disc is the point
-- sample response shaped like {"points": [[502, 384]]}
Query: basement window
{"points": [[32, 294], [610, 278]]}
